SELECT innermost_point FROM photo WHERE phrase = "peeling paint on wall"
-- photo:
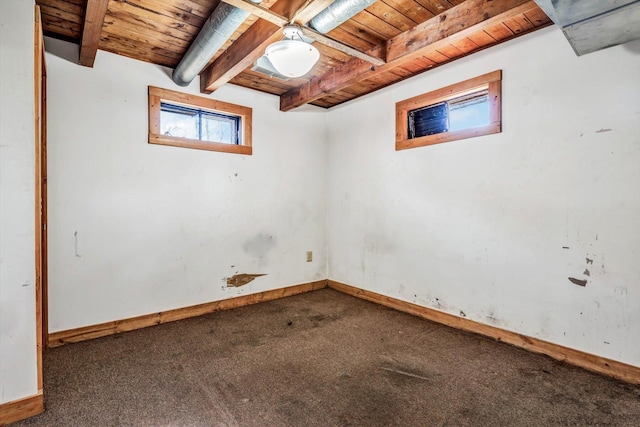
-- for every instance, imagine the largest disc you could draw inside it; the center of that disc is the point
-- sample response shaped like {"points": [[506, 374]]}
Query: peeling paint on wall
{"points": [[578, 281], [238, 280]]}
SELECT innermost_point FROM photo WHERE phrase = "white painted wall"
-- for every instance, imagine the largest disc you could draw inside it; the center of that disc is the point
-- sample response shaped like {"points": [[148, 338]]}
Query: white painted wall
{"points": [[475, 226], [18, 369], [136, 228], [478, 226]]}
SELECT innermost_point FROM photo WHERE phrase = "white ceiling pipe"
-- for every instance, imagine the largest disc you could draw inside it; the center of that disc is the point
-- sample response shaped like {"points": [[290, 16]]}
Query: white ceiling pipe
{"points": [[220, 26], [337, 13]]}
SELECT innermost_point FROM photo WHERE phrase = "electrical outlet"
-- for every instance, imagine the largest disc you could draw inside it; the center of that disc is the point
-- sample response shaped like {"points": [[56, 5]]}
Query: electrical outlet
{"points": [[309, 256]]}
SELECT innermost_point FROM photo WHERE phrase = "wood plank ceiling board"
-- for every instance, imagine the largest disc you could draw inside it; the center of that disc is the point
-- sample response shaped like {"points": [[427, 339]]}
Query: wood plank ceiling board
{"points": [[62, 18], [360, 40], [411, 9], [482, 38], [161, 31]]}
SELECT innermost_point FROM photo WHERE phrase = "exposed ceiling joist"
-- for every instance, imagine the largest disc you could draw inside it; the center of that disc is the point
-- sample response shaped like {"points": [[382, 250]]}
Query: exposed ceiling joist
{"points": [[311, 9], [248, 48], [243, 53], [234, 61], [91, 30], [281, 21], [454, 24], [259, 11]]}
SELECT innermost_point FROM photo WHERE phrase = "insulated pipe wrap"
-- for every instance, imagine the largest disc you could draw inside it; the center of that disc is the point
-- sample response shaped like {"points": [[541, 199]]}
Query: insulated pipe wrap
{"points": [[220, 26], [337, 13]]}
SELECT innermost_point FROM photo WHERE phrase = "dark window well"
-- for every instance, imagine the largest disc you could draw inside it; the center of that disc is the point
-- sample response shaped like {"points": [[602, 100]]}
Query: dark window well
{"points": [[428, 120]]}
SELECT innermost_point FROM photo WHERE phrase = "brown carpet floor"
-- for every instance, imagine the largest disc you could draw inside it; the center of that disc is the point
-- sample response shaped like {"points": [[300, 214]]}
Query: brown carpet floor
{"points": [[320, 359]]}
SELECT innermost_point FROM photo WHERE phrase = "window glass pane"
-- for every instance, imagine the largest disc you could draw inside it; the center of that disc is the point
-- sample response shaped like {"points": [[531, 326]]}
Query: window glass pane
{"points": [[220, 128], [194, 123], [469, 111], [428, 120], [178, 121]]}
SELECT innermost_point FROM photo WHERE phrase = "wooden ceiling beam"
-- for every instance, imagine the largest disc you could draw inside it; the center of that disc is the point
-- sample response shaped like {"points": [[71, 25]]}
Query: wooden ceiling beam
{"points": [[94, 15], [259, 11], [245, 51], [452, 25], [310, 9]]}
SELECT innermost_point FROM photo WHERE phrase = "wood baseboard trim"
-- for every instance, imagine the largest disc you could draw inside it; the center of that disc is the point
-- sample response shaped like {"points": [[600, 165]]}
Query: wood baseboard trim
{"points": [[612, 368], [17, 410], [57, 339]]}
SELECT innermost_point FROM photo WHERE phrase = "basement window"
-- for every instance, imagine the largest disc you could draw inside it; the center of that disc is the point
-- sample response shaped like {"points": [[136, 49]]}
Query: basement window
{"points": [[463, 110], [184, 120]]}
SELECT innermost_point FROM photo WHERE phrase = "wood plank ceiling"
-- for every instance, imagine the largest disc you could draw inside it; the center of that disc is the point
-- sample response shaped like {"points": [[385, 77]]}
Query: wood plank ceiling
{"points": [[411, 36]]}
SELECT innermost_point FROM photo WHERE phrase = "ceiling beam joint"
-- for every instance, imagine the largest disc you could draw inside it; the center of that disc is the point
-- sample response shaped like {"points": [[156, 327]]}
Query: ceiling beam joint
{"points": [[252, 44]]}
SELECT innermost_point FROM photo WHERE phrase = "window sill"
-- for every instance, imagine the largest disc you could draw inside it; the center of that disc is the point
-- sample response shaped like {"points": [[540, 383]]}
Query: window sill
{"points": [[439, 138], [199, 145]]}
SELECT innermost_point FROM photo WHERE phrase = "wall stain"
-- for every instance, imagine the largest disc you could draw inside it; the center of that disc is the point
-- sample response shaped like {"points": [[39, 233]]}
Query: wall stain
{"points": [[589, 260], [578, 281], [75, 237], [259, 245], [491, 318], [587, 272], [238, 280], [378, 243], [602, 130]]}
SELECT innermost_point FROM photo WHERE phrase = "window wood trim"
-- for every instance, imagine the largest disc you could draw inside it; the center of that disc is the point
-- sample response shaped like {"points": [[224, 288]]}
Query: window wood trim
{"points": [[491, 81], [156, 95]]}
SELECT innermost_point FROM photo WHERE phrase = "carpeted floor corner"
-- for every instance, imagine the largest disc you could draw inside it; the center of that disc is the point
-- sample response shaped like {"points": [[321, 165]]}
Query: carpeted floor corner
{"points": [[320, 359]]}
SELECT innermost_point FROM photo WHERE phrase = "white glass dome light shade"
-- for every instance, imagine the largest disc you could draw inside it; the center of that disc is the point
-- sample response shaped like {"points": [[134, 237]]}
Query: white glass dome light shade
{"points": [[292, 58]]}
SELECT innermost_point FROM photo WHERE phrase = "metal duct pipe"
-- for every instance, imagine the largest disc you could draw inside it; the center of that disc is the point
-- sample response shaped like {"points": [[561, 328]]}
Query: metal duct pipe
{"points": [[220, 26], [337, 13]]}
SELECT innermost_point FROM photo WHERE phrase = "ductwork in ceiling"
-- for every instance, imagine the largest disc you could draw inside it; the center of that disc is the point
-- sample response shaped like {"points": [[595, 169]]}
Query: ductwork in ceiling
{"points": [[337, 13], [220, 26], [592, 25]]}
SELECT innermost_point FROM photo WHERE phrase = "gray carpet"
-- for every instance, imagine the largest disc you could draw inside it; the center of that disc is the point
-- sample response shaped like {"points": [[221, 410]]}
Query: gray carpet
{"points": [[320, 359]]}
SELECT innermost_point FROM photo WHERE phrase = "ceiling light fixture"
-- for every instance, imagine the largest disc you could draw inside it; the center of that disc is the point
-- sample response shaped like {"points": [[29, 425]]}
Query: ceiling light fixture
{"points": [[290, 57]]}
